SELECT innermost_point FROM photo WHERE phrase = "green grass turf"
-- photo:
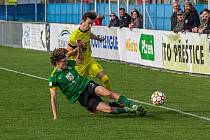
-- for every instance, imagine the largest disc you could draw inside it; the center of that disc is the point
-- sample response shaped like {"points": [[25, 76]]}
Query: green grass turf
{"points": [[25, 111]]}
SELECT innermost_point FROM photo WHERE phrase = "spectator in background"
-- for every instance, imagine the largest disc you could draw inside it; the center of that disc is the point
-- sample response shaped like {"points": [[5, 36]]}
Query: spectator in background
{"points": [[207, 30], [176, 8], [191, 17], [204, 18], [136, 20], [180, 22], [98, 20], [114, 20], [125, 18]]}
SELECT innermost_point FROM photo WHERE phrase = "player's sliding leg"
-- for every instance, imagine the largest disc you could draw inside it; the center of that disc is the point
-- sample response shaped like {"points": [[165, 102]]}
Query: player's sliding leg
{"points": [[103, 107], [107, 84], [101, 91]]}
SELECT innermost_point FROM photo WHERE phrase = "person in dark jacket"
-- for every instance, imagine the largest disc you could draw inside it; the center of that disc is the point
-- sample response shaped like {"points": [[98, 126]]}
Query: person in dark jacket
{"points": [[191, 19], [176, 8], [114, 20], [125, 18], [204, 17]]}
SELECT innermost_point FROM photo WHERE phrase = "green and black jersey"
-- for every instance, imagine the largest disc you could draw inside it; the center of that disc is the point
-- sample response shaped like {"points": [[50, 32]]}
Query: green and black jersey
{"points": [[69, 81]]}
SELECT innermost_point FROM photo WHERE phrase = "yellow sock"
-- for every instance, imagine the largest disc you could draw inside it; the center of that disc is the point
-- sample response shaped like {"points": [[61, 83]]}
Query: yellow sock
{"points": [[106, 82]]}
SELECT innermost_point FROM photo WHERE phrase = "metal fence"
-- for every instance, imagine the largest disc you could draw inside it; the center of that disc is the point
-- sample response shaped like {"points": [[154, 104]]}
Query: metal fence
{"points": [[64, 11]]}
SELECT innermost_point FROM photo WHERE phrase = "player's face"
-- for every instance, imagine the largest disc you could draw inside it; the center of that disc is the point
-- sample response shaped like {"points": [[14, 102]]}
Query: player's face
{"points": [[62, 64], [87, 24]]}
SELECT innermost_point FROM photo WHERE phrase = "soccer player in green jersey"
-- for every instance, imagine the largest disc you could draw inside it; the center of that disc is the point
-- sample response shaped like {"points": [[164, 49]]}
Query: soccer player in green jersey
{"points": [[78, 88]]}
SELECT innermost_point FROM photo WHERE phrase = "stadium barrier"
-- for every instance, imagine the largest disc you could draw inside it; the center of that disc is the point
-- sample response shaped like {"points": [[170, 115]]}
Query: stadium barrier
{"points": [[185, 52], [11, 34]]}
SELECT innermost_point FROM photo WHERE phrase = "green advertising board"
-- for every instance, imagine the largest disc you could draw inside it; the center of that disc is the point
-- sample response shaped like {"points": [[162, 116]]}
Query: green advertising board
{"points": [[146, 47]]}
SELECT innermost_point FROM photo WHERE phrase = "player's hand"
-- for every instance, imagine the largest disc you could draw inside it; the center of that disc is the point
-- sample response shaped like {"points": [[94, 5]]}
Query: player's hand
{"points": [[54, 118], [80, 43], [101, 39]]}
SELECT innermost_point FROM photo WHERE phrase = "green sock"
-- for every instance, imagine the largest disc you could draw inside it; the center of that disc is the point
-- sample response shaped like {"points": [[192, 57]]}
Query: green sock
{"points": [[118, 110], [125, 101]]}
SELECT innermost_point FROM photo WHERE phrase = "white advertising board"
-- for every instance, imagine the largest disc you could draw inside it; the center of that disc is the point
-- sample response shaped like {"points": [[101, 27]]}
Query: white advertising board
{"points": [[140, 47], [34, 36], [60, 35], [107, 49]]}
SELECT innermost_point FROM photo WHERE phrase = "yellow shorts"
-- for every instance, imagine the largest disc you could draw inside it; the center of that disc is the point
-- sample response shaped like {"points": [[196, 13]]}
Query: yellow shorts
{"points": [[92, 68]]}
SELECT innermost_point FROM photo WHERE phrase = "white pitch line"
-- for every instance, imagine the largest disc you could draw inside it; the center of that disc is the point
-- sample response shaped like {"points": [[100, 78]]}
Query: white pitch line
{"points": [[22, 73], [172, 109], [167, 108]]}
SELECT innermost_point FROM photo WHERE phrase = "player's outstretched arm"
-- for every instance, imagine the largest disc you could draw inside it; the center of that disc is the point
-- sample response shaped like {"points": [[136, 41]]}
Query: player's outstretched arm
{"points": [[76, 51], [53, 103], [71, 51], [93, 36]]}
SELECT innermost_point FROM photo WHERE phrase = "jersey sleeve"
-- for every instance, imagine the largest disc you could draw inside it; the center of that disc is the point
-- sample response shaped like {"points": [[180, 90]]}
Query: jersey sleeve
{"points": [[52, 82], [72, 41]]}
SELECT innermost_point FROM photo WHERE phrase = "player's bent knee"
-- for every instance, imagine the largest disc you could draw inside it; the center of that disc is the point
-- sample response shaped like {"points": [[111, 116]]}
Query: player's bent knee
{"points": [[105, 78]]}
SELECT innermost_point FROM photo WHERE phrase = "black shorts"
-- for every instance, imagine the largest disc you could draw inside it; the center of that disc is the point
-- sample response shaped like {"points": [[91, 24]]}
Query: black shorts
{"points": [[88, 98]]}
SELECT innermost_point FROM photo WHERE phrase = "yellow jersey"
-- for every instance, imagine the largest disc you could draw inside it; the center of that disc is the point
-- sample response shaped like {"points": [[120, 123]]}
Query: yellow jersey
{"points": [[86, 48]]}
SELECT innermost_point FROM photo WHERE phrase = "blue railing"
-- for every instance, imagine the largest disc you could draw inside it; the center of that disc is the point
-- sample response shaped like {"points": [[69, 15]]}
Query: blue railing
{"points": [[159, 14]]}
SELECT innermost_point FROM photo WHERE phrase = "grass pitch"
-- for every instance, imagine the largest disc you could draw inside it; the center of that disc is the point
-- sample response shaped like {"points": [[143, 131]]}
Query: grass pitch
{"points": [[25, 111]]}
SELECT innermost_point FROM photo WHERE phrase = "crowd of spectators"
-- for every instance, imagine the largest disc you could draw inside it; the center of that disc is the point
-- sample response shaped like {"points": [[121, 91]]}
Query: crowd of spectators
{"points": [[134, 20], [188, 20]]}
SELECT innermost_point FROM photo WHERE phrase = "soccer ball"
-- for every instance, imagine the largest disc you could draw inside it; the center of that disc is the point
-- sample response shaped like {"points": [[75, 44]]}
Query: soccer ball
{"points": [[158, 98]]}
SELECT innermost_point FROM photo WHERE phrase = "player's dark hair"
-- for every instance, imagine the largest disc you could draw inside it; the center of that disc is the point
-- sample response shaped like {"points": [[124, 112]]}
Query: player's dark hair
{"points": [[90, 15], [57, 54]]}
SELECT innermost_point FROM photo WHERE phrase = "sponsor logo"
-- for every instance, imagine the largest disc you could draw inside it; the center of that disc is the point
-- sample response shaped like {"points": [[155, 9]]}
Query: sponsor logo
{"points": [[131, 45], [110, 42], [64, 38], [70, 76], [184, 52], [26, 36], [146, 47]]}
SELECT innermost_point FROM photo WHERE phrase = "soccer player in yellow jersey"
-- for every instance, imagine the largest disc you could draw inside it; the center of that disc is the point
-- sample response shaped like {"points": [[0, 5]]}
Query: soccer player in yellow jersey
{"points": [[87, 66]]}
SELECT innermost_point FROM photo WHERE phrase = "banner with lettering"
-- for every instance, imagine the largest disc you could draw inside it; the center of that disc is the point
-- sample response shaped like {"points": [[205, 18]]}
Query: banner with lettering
{"points": [[140, 47], [186, 52], [108, 48]]}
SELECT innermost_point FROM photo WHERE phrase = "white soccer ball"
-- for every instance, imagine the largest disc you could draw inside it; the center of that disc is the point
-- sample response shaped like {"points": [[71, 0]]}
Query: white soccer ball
{"points": [[158, 98]]}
